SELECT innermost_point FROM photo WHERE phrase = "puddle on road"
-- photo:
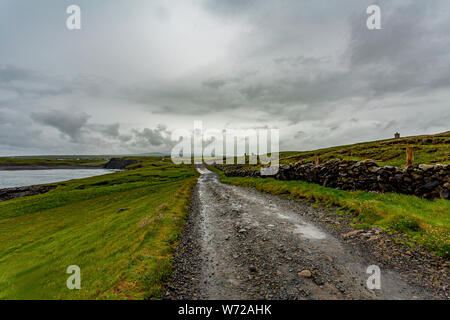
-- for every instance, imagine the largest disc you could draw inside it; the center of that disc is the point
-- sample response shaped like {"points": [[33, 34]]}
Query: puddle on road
{"points": [[301, 228], [203, 170], [309, 231]]}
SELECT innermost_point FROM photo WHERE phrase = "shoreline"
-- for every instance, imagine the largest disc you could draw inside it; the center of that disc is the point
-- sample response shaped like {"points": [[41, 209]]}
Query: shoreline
{"points": [[19, 192], [10, 193], [24, 168]]}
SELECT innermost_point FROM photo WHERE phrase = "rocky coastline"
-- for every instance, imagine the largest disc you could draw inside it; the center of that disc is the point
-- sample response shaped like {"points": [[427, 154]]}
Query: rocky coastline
{"points": [[12, 193]]}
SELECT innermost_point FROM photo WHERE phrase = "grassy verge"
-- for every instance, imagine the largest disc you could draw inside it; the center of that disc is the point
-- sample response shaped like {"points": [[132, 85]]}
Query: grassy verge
{"points": [[426, 222], [122, 255]]}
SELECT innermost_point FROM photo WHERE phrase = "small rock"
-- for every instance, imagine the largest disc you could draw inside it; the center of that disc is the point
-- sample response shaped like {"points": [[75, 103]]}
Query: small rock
{"points": [[377, 230], [305, 274], [430, 185], [425, 167], [304, 292], [351, 233], [252, 268], [319, 281]]}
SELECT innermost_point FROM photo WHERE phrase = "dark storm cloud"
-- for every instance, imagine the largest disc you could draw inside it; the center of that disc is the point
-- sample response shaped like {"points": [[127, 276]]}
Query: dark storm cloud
{"points": [[77, 128], [411, 52], [409, 55], [66, 122]]}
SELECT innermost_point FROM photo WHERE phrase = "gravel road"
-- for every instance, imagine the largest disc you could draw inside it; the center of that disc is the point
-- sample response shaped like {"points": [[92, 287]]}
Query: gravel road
{"points": [[242, 244]]}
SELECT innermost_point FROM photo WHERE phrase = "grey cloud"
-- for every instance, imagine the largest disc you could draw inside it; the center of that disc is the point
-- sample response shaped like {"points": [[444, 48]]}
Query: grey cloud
{"points": [[410, 53], [9, 73], [17, 132], [299, 134], [162, 14], [301, 65], [253, 92], [231, 7], [214, 83], [28, 83], [66, 122], [92, 136], [154, 137], [125, 138], [407, 57], [300, 60], [109, 130]]}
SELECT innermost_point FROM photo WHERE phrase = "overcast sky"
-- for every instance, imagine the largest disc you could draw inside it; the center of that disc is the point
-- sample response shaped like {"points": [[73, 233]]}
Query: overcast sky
{"points": [[137, 70]]}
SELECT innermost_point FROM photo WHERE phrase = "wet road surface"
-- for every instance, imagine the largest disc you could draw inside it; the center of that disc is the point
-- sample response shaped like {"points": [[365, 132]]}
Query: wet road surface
{"points": [[242, 244]]}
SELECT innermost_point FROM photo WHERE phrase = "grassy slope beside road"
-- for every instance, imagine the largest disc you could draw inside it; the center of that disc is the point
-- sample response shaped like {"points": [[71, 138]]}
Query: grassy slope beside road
{"points": [[429, 149], [425, 221], [123, 254]]}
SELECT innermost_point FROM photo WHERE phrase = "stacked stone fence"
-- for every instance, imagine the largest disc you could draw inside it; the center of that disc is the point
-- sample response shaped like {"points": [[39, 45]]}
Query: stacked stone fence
{"points": [[421, 180]]}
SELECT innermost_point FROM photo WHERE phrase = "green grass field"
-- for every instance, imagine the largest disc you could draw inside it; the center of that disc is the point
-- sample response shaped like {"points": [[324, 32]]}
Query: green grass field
{"points": [[424, 221], [429, 149], [124, 255]]}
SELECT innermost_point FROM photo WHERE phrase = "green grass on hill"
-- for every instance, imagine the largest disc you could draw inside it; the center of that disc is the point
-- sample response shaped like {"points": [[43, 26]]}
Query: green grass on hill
{"points": [[52, 161], [124, 255], [424, 221], [429, 149]]}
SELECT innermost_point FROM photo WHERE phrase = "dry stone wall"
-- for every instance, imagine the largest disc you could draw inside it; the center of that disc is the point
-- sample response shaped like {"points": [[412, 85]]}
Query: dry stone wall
{"points": [[421, 180]]}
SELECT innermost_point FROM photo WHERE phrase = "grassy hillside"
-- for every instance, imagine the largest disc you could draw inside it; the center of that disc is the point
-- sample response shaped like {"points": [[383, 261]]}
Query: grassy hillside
{"points": [[428, 149], [122, 254]]}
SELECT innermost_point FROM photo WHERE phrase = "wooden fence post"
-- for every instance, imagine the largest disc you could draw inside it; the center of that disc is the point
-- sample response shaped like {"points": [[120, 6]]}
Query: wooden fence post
{"points": [[409, 156], [316, 159]]}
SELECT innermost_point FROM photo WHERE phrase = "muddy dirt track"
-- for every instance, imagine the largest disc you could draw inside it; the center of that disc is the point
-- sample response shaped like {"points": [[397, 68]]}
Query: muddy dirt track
{"points": [[242, 244]]}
